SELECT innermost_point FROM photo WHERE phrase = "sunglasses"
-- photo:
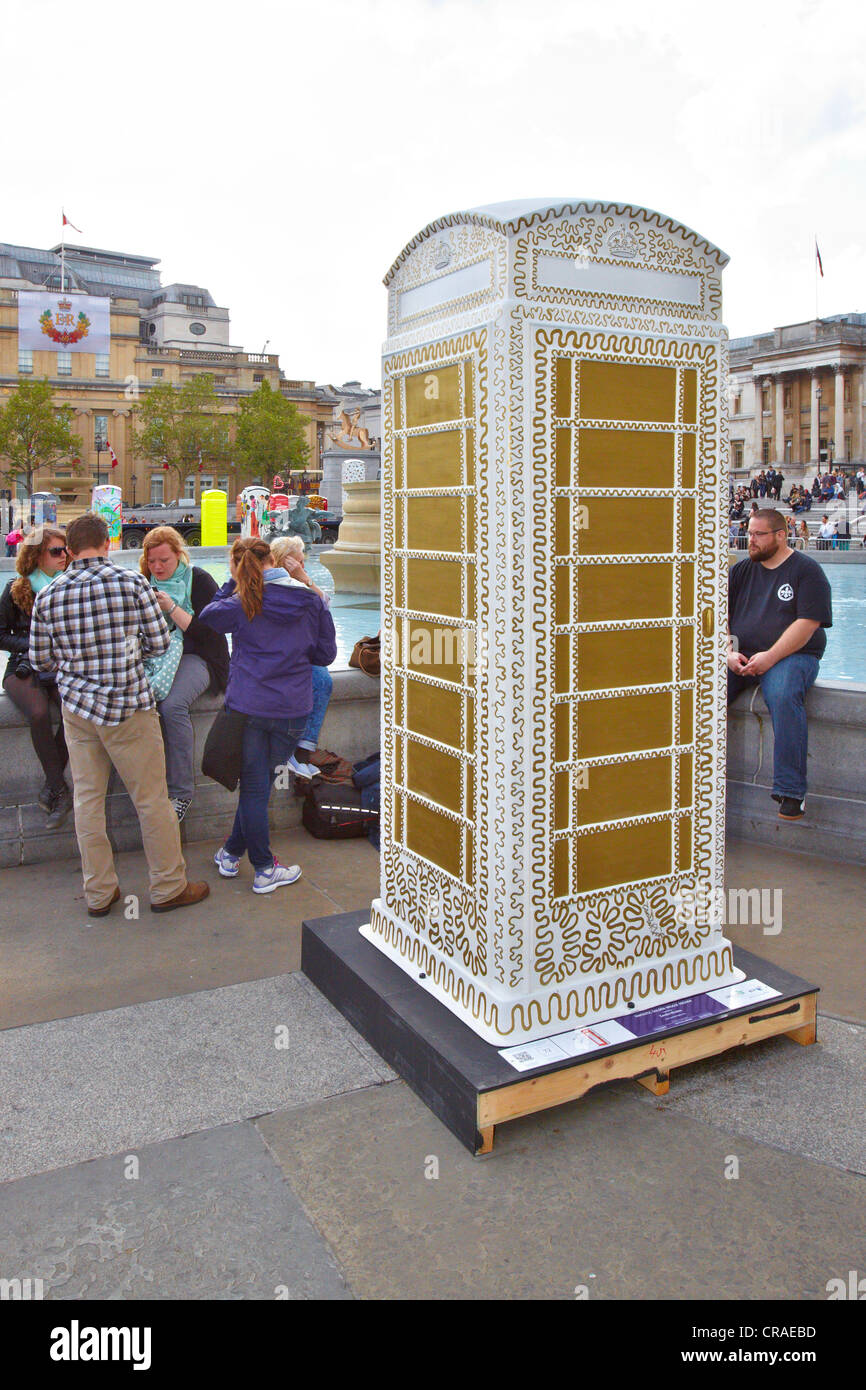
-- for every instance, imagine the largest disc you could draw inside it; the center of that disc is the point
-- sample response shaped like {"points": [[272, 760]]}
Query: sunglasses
{"points": [[56, 551]]}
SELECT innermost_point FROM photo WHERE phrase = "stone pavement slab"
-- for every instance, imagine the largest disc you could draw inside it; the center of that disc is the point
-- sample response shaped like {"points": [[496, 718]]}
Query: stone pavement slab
{"points": [[86, 1087], [55, 963], [811, 1100], [207, 1217], [626, 1200], [823, 936]]}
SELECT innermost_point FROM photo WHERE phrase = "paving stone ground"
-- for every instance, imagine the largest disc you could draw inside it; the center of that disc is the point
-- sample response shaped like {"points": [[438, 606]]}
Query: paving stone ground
{"points": [[310, 1171]]}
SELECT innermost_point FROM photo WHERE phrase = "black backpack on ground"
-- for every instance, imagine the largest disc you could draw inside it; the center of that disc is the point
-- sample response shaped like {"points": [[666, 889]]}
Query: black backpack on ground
{"points": [[334, 812]]}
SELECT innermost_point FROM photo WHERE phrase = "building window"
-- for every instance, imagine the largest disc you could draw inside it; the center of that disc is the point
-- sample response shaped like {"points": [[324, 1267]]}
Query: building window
{"points": [[788, 397], [100, 431], [738, 404], [258, 376], [737, 453], [765, 452], [846, 391], [189, 487], [25, 359], [102, 364], [223, 485], [805, 448], [849, 447], [157, 487], [789, 449], [765, 399], [157, 371], [64, 364]]}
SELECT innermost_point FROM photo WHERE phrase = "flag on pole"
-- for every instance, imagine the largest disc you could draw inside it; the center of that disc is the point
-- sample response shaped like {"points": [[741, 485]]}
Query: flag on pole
{"points": [[113, 454], [67, 223], [818, 257]]}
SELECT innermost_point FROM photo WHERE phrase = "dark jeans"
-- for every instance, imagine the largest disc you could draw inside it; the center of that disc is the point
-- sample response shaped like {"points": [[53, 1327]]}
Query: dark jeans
{"points": [[784, 689], [34, 699], [268, 744]]}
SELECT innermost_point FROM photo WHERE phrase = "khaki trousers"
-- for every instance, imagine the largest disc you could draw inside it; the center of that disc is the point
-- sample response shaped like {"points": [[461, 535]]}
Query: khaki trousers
{"points": [[135, 748]]}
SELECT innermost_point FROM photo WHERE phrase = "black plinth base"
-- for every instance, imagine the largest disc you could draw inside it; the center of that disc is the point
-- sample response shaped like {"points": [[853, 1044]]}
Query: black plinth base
{"points": [[463, 1079]]}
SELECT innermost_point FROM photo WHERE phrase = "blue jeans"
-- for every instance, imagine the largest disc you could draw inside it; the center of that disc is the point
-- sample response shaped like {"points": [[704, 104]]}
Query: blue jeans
{"points": [[784, 689], [322, 687], [268, 744]]}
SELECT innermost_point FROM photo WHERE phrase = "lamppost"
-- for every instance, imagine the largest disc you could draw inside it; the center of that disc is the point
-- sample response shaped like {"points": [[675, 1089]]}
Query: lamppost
{"points": [[100, 445], [818, 394], [133, 479]]}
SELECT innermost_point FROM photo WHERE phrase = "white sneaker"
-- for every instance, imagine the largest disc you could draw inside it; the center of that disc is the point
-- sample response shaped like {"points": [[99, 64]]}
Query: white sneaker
{"points": [[277, 876], [301, 769], [180, 805], [227, 866]]}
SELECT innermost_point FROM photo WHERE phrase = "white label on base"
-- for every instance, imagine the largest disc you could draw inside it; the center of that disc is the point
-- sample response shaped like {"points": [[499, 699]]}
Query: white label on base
{"points": [[749, 992], [533, 1054], [606, 1034], [543, 1050]]}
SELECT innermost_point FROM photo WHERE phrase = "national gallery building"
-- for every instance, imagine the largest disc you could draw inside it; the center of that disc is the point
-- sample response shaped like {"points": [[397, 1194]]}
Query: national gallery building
{"points": [[795, 391]]}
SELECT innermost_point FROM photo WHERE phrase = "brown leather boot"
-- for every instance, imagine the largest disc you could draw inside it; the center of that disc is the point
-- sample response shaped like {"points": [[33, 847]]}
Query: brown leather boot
{"points": [[192, 893]]}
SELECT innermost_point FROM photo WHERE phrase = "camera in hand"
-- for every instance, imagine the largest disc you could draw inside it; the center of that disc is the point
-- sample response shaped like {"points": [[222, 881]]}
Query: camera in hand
{"points": [[23, 669]]}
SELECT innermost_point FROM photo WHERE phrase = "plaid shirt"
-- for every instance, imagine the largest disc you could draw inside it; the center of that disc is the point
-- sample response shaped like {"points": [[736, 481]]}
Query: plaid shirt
{"points": [[93, 626]]}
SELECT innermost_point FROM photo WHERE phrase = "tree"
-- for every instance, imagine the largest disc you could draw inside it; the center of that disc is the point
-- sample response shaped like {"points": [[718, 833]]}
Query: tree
{"points": [[270, 436], [34, 434], [182, 428]]}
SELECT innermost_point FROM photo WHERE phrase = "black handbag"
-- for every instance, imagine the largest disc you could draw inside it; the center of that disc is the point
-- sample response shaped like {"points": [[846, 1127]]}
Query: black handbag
{"points": [[223, 749]]}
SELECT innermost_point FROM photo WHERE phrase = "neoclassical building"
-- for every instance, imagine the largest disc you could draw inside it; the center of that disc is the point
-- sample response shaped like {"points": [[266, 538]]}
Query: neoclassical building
{"points": [[158, 333], [797, 390]]}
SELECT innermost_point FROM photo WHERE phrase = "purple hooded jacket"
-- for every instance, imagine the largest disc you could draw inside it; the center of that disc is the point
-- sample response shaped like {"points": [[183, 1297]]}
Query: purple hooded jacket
{"points": [[272, 655]]}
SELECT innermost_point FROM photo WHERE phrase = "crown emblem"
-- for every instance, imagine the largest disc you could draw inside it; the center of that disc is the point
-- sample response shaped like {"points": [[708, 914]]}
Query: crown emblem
{"points": [[623, 242], [64, 303]]}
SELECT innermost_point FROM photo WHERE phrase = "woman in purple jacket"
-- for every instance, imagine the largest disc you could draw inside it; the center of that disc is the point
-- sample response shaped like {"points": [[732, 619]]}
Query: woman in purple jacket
{"points": [[279, 630]]}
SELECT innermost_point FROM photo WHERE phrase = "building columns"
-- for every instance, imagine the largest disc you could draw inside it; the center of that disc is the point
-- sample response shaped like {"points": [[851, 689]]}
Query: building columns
{"points": [[839, 423], [780, 420], [815, 422], [758, 424]]}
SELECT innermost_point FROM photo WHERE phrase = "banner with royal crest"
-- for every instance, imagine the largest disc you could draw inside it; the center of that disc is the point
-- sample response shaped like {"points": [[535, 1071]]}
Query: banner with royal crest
{"points": [[70, 322]]}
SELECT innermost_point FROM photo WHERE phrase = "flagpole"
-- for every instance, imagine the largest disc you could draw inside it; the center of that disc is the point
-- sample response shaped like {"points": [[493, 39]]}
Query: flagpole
{"points": [[62, 251]]}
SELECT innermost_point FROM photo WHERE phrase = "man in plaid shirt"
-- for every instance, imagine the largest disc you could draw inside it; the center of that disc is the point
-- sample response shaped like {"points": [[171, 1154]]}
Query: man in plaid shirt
{"points": [[93, 626]]}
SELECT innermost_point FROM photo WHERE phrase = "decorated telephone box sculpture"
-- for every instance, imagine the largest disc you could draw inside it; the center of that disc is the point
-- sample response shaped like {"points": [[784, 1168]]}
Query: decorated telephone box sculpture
{"points": [[553, 616]]}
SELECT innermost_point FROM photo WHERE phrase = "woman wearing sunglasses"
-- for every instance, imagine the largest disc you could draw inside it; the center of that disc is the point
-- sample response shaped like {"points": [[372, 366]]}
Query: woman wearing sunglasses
{"points": [[41, 557]]}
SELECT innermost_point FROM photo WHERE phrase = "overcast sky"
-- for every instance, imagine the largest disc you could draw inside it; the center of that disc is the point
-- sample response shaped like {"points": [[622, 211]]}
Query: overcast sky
{"points": [[283, 153]]}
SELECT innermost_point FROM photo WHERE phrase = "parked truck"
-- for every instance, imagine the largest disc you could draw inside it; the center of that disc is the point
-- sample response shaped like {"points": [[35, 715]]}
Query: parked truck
{"points": [[185, 516]]}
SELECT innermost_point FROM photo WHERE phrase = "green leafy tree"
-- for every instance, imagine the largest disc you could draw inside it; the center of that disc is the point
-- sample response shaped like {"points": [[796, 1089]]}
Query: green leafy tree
{"points": [[271, 436], [34, 434], [182, 427]]}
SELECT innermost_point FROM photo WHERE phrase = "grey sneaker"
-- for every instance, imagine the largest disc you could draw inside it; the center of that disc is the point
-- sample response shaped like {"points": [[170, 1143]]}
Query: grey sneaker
{"points": [[61, 805], [277, 876]]}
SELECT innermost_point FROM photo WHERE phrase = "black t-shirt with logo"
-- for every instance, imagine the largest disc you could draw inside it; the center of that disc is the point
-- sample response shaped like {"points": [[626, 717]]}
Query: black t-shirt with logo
{"points": [[763, 602]]}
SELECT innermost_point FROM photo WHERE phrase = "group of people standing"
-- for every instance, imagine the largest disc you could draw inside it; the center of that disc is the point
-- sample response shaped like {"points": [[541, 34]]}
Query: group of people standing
{"points": [[123, 655]]}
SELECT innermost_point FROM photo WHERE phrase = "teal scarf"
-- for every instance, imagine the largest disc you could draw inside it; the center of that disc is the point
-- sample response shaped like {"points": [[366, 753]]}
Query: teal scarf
{"points": [[178, 587], [39, 580]]}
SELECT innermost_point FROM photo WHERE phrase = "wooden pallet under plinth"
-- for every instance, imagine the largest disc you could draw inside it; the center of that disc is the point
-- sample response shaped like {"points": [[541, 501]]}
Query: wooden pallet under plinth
{"points": [[465, 1081]]}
